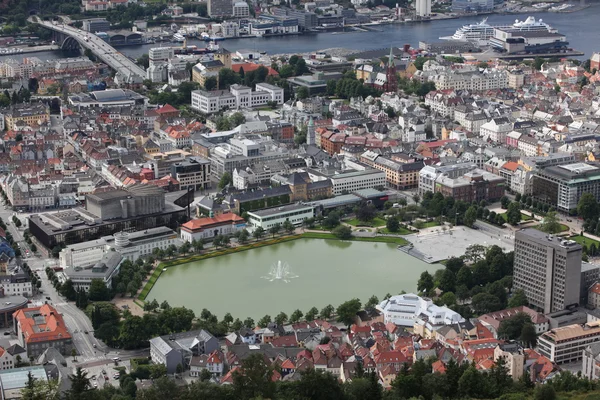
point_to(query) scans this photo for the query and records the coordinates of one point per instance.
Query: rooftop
(283, 209)
(572, 332)
(41, 324)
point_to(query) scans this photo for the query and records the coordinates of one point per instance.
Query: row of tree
(462, 381)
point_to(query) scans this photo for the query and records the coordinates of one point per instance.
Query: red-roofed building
(213, 363)
(209, 227)
(41, 327)
(249, 67)
(438, 366)
(480, 349)
(394, 358)
(168, 111)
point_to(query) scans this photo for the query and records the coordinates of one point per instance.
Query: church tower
(310, 132)
(391, 78)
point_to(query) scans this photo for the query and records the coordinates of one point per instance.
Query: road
(105, 52)
(90, 350)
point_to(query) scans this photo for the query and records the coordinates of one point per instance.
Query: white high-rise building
(423, 8)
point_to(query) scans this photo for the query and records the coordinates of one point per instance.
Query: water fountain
(280, 271)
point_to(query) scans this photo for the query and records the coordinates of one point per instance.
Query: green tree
(392, 224)
(425, 283)
(528, 335)
(365, 212)
(447, 281)
(237, 119)
(296, 315)
(80, 384)
(288, 226)
(510, 328)
(550, 223)
(144, 60)
(470, 216)
(518, 299)
(464, 277)
(281, 318)
(471, 383)
(346, 312)
(311, 314)
(225, 180)
(210, 83)
(342, 232)
(264, 321)
(513, 215)
(544, 392)
(256, 379)
(587, 208)
(258, 233)
(484, 303)
(372, 302)
(302, 93)
(326, 312)
(274, 230)
(448, 299)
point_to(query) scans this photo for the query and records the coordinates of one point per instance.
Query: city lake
(298, 274)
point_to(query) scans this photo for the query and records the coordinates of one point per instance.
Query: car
(94, 345)
(6, 333)
(48, 298)
(86, 332)
(96, 385)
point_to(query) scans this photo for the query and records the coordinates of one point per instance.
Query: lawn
(378, 239)
(401, 231)
(582, 240)
(524, 217)
(377, 222)
(563, 228)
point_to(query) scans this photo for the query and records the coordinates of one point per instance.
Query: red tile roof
(209, 222)
(49, 327)
(248, 67)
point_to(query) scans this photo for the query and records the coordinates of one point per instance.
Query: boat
(216, 38)
(560, 8)
(178, 37)
(481, 32)
(213, 46)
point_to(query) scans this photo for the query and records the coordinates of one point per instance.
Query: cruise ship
(482, 32)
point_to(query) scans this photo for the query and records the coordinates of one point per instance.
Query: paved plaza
(433, 244)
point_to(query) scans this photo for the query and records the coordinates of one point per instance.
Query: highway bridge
(69, 37)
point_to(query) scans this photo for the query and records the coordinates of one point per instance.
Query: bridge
(69, 37)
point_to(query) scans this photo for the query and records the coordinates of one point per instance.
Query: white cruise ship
(481, 32)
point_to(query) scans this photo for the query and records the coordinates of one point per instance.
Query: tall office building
(220, 8)
(548, 269)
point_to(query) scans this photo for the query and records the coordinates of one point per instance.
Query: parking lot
(105, 374)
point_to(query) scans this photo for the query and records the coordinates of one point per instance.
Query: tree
(288, 226)
(372, 302)
(447, 282)
(346, 312)
(281, 318)
(392, 224)
(302, 93)
(254, 379)
(225, 180)
(198, 245)
(144, 60)
(513, 214)
(205, 375)
(470, 216)
(471, 383)
(210, 83)
(528, 335)
(342, 232)
(504, 201)
(518, 299)
(98, 291)
(365, 212)
(296, 315)
(68, 290)
(264, 321)
(511, 328)
(425, 283)
(80, 383)
(311, 314)
(544, 392)
(484, 303)
(258, 233)
(237, 119)
(274, 230)
(464, 277)
(165, 306)
(454, 264)
(587, 208)
(326, 311)
(243, 236)
(448, 299)
(550, 223)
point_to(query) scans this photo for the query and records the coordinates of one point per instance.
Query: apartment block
(548, 269)
(567, 344)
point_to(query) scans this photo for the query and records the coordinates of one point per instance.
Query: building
(514, 356)
(568, 343)
(107, 98)
(595, 61)
(407, 309)
(593, 300)
(548, 269)
(30, 114)
(423, 8)
(304, 189)
(73, 64)
(94, 25)
(105, 269)
(399, 175)
(295, 213)
(9, 305)
(493, 320)
(237, 97)
(213, 363)
(220, 8)
(562, 186)
(241, 9)
(347, 182)
(591, 362)
(136, 208)
(131, 245)
(470, 80)
(496, 130)
(192, 174)
(209, 227)
(175, 349)
(470, 6)
(16, 283)
(39, 328)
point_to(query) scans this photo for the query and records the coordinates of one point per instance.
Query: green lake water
(319, 272)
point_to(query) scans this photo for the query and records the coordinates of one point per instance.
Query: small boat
(164, 269)
(178, 37)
